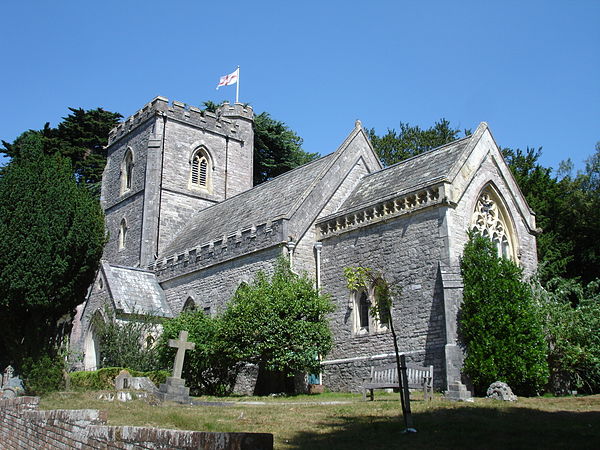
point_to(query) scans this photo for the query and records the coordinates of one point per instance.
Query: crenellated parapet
(229, 246)
(223, 121)
(386, 209)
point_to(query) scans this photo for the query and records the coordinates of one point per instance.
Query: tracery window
(200, 173)
(491, 221)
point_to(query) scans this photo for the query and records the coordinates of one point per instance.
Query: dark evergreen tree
(396, 146)
(498, 322)
(81, 137)
(277, 148)
(52, 238)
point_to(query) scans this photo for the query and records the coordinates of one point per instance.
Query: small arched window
(200, 170)
(189, 305)
(127, 171)
(365, 322)
(122, 234)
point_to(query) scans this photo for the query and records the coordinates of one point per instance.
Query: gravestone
(458, 392)
(10, 385)
(174, 388)
(125, 381)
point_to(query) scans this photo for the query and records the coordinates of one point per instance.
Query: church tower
(166, 162)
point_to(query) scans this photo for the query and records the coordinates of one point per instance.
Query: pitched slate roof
(267, 201)
(136, 291)
(408, 175)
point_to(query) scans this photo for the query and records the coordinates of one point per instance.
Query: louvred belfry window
(199, 170)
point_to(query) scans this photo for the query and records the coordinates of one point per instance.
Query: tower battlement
(224, 119)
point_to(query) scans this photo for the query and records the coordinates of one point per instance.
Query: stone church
(187, 227)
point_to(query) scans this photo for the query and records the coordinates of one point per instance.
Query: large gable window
(490, 219)
(200, 169)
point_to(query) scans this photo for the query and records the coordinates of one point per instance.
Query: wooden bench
(386, 377)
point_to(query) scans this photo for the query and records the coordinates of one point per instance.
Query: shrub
(124, 343)
(278, 322)
(101, 379)
(498, 322)
(208, 368)
(44, 375)
(571, 314)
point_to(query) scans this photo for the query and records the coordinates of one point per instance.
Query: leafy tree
(81, 137)
(571, 334)
(209, 368)
(277, 149)
(543, 194)
(127, 343)
(52, 238)
(278, 322)
(498, 323)
(567, 210)
(396, 146)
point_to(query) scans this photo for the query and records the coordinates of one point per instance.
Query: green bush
(123, 343)
(102, 379)
(498, 322)
(571, 314)
(208, 368)
(43, 375)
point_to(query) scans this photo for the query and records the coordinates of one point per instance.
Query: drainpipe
(318, 246)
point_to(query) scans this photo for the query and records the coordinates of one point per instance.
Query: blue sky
(531, 69)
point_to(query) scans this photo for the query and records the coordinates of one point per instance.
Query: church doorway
(91, 347)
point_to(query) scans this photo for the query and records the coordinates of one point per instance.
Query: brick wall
(23, 426)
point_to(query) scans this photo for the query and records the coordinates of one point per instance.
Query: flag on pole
(230, 79)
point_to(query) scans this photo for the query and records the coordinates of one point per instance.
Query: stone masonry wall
(23, 426)
(126, 205)
(304, 254)
(212, 287)
(407, 251)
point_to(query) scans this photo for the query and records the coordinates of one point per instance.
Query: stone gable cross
(181, 345)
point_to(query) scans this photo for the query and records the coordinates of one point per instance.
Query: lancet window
(122, 234)
(127, 171)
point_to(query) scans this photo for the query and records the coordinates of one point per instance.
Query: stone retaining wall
(23, 426)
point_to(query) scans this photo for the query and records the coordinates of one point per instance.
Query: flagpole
(237, 86)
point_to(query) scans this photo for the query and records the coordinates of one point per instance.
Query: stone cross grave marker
(181, 345)
(173, 389)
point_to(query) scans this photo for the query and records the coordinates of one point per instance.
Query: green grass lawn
(343, 421)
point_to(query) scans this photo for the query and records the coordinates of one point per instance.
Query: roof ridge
(425, 153)
(254, 189)
(326, 168)
(476, 136)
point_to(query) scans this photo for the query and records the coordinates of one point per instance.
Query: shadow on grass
(465, 427)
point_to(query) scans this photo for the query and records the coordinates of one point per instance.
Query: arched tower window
(491, 220)
(122, 234)
(200, 169)
(127, 171)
